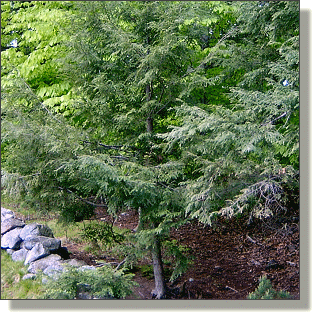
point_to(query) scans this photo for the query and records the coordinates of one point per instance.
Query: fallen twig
(251, 240)
(120, 264)
(227, 287)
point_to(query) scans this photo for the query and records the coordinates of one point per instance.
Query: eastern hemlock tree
(132, 62)
(128, 64)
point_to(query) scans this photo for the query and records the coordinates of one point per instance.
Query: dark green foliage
(266, 292)
(101, 283)
(76, 211)
(101, 234)
(146, 271)
(179, 258)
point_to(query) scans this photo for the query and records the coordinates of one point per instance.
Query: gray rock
(37, 252)
(74, 263)
(54, 269)
(49, 243)
(11, 239)
(6, 214)
(41, 264)
(29, 276)
(10, 223)
(36, 229)
(10, 251)
(85, 267)
(19, 255)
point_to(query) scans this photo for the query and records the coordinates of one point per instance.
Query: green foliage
(266, 292)
(101, 283)
(37, 56)
(146, 271)
(102, 234)
(76, 211)
(252, 139)
(181, 260)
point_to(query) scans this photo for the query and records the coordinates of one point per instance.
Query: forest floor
(227, 261)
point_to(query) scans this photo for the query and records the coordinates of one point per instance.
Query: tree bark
(160, 286)
(149, 124)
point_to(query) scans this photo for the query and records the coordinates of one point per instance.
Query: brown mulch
(227, 261)
(227, 265)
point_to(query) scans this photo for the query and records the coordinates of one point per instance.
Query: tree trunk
(139, 226)
(149, 124)
(160, 286)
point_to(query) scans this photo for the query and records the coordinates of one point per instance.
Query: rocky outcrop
(9, 224)
(6, 214)
(37, 252)
(11, 239)
(35, 245)
(34, 229)
(19, 255)
(50, 243)
(42, 264)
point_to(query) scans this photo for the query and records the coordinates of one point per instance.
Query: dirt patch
(228, 264)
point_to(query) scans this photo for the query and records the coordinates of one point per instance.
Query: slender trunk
(160, 286)
(149, 124)
(149, 119)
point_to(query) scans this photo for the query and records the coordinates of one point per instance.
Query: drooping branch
(82, 199)
(274, 120)
(114, 147)
(35, 96)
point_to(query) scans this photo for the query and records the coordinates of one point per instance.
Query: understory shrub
(266, 292)
(76, 211)
(101, 234)
(100, 283)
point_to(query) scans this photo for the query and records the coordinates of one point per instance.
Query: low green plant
(179, 258)
(101, 234)
(147, 271)
(100, 283)
(266, 292)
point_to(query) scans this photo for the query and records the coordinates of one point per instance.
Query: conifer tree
(128, 64)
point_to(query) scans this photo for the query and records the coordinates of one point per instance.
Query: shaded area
(227, 259)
